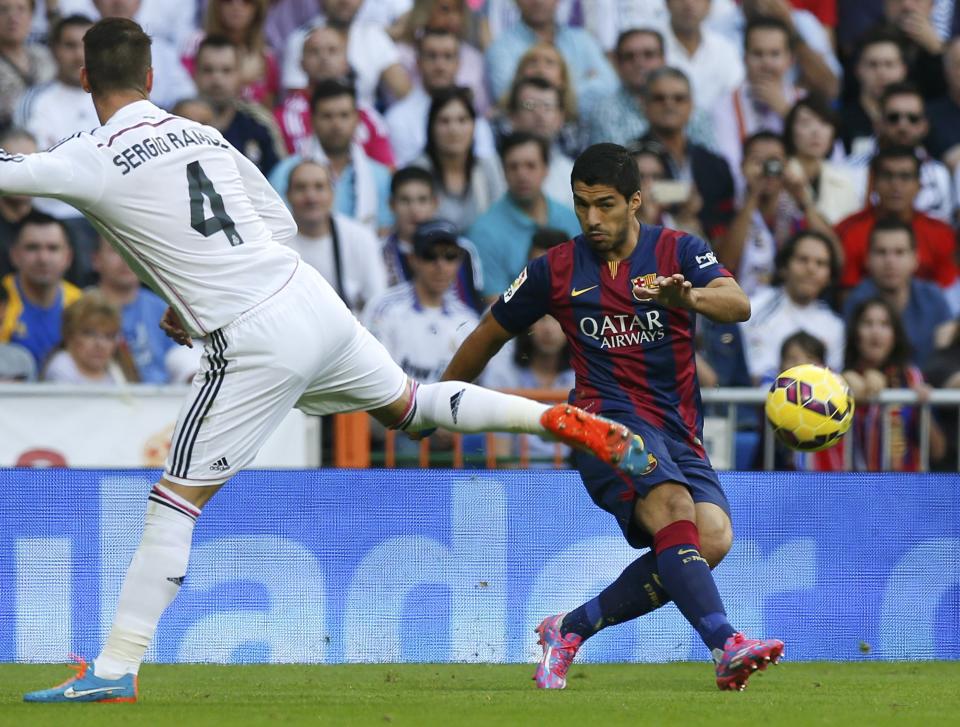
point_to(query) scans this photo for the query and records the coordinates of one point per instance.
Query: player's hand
(173, 327)
(673, 291)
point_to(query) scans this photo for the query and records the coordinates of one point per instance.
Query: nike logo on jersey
(574, 293)
(71, 693)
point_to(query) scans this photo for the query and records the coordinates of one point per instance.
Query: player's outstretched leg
(462, 407)
(152, 582)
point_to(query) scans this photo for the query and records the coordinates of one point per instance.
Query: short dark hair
(816, 105)
(432, 31)
(894, 152)
(513, 100)
(761, 136)
(548, 237)
(116, 54)
(519, 138)
(71, 21)
(215, 41)
(811, 345)
(901, 88)
(630, 32)
(789, 249)
(766, 23)
(332, 88)
(876, 36)
(891, 224)
(406, 175)
(899, 355)
(608, 164)
(35, 217)
(665, 72)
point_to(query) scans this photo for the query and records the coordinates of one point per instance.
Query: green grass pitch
(673, 695)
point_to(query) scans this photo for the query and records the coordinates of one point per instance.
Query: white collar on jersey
(135, 110)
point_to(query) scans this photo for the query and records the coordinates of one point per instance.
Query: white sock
(152, 582)
(462, 407)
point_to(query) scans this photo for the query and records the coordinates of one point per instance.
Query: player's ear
(148, 85)
(634, 202)
(84, 81)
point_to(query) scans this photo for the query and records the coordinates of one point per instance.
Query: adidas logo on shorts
(220, 465)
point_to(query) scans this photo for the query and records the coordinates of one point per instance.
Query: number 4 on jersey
(200, 187)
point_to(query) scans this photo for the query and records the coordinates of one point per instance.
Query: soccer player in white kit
(201, 225)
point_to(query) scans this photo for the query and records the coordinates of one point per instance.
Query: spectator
(24, 64)
(16, 362)
(592, 76)
(503, 233)
(450, 16)
(664, 200)
(325, 58)
(140, 311)
(896, 174)
(248, 126)
(467, 185)
(620, 118)
(361, 185)
(535, 107)
(878, 63)
(944, 112)
(903, 122)
(809, 136)
(669, 108)
(546, 238)
(922, 45)
(345, 252)
(437, 59)
(921, 305)
(195, 109)
(422, 322)
(413, 201)
(258, 72)
(14, 208)
(943, 372)
(371, 52)
(713, 65)
(762, 101)
(878, 358)
(171, 80)
(37, 291)
(91, 352)
(778, 202)
(807, 265)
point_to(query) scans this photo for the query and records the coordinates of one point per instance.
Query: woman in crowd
(242, 23)
(809, 134)
(467, 185)
(22, 65)
(92, 351)
(878, 358)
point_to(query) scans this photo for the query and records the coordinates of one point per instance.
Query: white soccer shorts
(300, 348)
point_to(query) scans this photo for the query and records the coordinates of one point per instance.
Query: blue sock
(635, 592)
(687, 578)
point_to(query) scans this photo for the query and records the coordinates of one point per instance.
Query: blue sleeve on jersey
(527, 299)
(698, 263)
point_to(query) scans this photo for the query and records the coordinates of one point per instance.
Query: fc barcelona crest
(644, 281)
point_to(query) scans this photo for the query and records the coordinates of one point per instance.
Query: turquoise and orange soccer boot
(86, 686)
(558, 653)
(742, 657)
(609, 441)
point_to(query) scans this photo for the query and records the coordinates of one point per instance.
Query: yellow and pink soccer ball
(809, 407)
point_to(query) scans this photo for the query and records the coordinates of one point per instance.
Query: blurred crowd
(424, 148)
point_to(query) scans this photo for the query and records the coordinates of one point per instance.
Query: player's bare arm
(721, 300)
(174, 328)
(475, 352)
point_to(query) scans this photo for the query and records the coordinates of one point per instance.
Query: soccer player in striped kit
(198, 222)
(626, 295)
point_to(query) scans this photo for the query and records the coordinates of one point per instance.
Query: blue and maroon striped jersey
(631, 357)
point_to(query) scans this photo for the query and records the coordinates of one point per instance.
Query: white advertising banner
(67, 426)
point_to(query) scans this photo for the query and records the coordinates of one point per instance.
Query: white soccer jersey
(193, 216)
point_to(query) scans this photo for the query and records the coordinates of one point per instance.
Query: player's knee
(665, 504)
(715, 543)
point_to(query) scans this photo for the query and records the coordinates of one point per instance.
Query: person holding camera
(777, 203)
(665, 201)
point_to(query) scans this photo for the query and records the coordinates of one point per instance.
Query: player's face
(413, 203)
(604, 215)
(807, 273)
(15, 17)
(310, 193)
(539, 112)
(880, 64)
(217, 75)
(437, 269)
(41, 254)
(525, 171)
(439, 60)
(334, 123)
(112, 268)
(324, 55)
(875, 336)
(768, 54)
(453, 129)
(93, 345)
(69, 54)
(892, 260)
